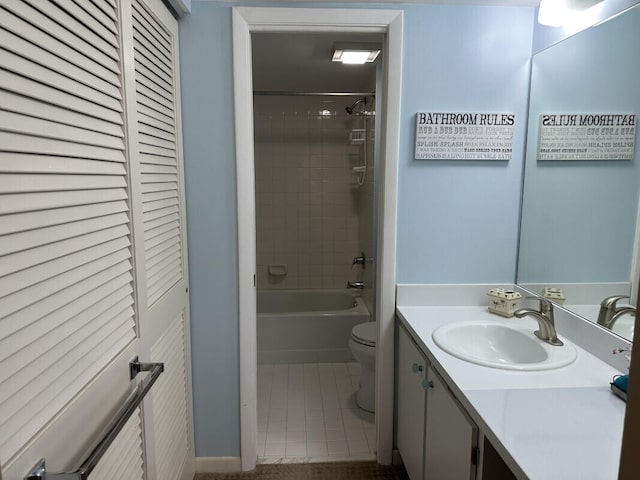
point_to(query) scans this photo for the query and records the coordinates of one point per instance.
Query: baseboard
(218, 464)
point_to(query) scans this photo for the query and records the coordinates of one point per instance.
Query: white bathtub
(307, 326)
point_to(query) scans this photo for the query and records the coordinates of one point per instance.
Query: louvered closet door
(160, 235)
(67, 312)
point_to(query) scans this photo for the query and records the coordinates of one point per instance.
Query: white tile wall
(307, 200)
(307, 413)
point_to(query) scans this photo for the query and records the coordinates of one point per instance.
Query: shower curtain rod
(313, 94)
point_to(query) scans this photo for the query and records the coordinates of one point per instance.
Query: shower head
(350, 108)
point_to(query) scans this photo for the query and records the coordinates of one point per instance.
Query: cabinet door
(451, 437)
(412, 367)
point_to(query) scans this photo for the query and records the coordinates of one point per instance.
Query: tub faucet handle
(361, 260)
(358, 285)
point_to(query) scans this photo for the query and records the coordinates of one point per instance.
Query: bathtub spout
(358, 285)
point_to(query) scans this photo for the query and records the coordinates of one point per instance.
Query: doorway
(315, 171)
(389, 24)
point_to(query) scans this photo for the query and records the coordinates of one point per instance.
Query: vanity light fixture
(557, 13)
(355, 53)
(552, 13)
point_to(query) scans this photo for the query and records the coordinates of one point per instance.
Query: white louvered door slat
(154, 73)
(103, 17)
(154, 117)
(64, 116)
(11, 163)
(58, 31)
(29, 220)
(67, 318)
(89, 21)
(40, 91)
(124, 459)
(170, 412)
(159, 232)
(28, 68)
(107, 45)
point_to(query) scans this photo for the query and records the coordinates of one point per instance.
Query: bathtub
(307, 326)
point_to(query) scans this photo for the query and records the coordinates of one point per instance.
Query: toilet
(363, 347)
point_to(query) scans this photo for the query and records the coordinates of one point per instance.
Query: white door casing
(249, 19)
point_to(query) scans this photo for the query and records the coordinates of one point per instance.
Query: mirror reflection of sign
(588, 136)
(464, 136)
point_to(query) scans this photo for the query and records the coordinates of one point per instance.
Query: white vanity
(462, 420)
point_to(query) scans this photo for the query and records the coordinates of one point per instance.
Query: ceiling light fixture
(355, 53)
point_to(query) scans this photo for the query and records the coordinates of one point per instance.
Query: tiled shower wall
(307, 198)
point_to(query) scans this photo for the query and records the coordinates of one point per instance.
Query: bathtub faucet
(358, 285)
(361, 260)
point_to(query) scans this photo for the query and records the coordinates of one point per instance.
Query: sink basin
(500, 345)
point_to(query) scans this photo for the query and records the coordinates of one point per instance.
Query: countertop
(563, 423)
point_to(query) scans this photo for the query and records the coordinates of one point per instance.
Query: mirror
(578, 230)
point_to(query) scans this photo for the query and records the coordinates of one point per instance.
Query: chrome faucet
(610, 313)
(358, 285)
(546, 324)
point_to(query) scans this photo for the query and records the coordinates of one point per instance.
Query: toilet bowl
(363, 347)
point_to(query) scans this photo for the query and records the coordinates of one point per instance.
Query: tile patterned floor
(307, 413)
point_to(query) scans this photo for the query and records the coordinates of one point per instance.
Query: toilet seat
(365, 334)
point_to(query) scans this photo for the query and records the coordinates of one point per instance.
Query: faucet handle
(361, 260)
(545, 304)
(610, 302)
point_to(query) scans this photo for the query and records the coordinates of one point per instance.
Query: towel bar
(39, 471)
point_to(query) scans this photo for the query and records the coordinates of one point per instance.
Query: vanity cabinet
(436, 438)
(411, 374)
(451, 438)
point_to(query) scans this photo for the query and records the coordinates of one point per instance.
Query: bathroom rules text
(464, 136)
(587, 136)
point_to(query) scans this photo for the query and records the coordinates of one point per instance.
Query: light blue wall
(207, 119)
(457, 221)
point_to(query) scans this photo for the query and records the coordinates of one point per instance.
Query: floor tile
(317, 449)
(336, 435)
(296, 449)
(276, 437)
(309, 411)
(297, 436)
(338, 448)
(273, 449)
(317, 436)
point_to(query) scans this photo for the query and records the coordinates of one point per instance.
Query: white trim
(246, 20)
(243, 104)
(387, 229)
(217, 464)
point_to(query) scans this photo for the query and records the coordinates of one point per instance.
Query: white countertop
(554, 424)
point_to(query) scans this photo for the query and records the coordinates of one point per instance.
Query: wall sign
(464, 136)
(587, 136)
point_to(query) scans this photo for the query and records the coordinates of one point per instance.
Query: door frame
(260, 19)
